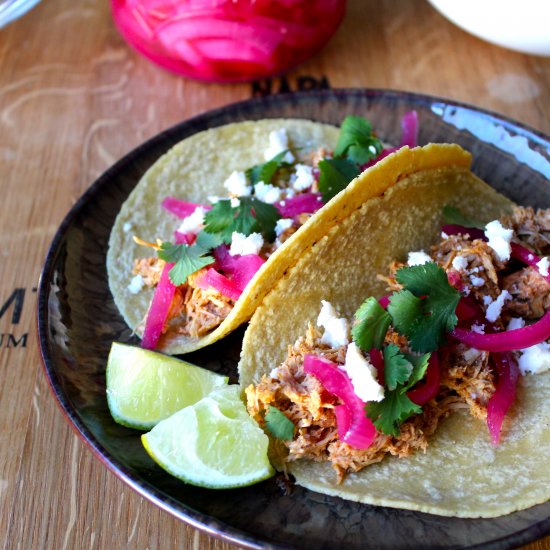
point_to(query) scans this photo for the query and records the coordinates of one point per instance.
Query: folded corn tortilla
(197, 167)
(461, 473)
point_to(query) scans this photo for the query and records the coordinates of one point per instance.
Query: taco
(406, 365)
(251, 198)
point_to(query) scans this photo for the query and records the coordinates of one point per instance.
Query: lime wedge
(213, 443)
(145, 387)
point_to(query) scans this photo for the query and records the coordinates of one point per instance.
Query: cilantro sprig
(335, 175)
(250, 216)
(424, 311)
(357, 145)
(186, 258)
(393, 410)
(372, 323)
(265, 172)
(279, 425)
(401, 372)
(453, 216)
(357, 141)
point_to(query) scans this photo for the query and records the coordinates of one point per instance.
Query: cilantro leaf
(420, 366)
(334, 176)
(244, 221)
(251, 216)
(266, 216)
(397, 368)
(265, 172)
(452, 215)
(425, 310)
(186, 259)
(389, 413)
(208, 241)
(219, 219)
(356, 141)
(279, 425)
(372, 324)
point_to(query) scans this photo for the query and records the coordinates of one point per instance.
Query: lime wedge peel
(213, 443)
(145, 387)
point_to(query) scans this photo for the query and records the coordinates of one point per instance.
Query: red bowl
(227, 40)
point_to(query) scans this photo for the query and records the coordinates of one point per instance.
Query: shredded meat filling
(194, 311)
(302, 398)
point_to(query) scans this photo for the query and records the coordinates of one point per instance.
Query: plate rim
(200, 520)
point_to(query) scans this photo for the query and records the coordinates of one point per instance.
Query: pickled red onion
(524, 255)
(467, 309)
(305, 203)
(184, 238)
(429, 387)
(361, 431)
(245, 268)
(241, 268)
(509, 340)
(343, 420)
(409, 129)
(158, 311)
(181, 209)
(505, 393)
(455, 229)
(377, 361)
(212, 279)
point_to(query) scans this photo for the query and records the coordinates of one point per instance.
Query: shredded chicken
(302, 398)
(150, 270)
(194, 311)
(530, 293)
(532, 228)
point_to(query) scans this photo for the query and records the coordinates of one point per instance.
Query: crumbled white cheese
(515, 323)
(418, 258)
(363, 375)
(487, 300)
(127, 227)
(282, 225)
(480, 329)
(136, 284)
(471, 354)
(499, 238)
(289, 194)
(278, 142)
(535, 359)
(304, 177)
(235, 202)
(476, 281)
(336, 328)
(241, 245)
(267, 192)
(237, 185)
(460, 263)
(543, 266)
(444, 235)
(194, 222)
(495, 307)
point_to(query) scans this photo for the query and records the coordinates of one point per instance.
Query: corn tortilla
(460, 474)
(197, 167)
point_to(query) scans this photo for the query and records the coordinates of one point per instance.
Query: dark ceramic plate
(78, 321)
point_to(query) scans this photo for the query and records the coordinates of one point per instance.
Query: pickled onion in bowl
(224, 40)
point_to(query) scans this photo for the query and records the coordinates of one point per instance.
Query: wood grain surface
(73, 99)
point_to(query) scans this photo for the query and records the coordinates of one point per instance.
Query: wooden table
(73, 99)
